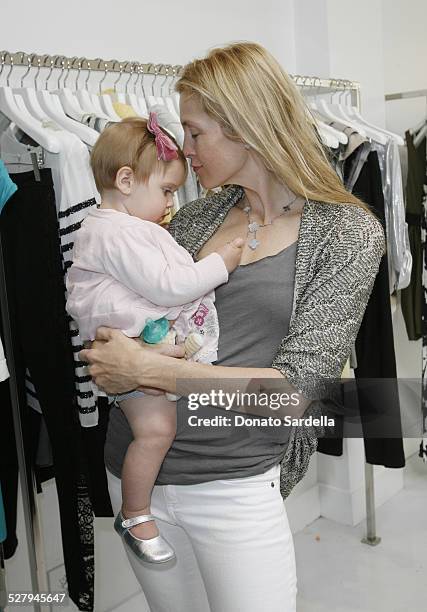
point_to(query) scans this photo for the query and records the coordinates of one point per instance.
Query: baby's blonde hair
(244, 88)
(127, 143)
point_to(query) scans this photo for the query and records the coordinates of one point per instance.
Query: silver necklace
(253, 226)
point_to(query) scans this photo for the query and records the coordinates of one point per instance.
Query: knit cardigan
(339, 250)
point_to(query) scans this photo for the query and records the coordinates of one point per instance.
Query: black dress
(379, 410)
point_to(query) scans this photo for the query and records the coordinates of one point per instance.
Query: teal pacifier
(155, 331)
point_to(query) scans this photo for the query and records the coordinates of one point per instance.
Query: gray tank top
(254, 309)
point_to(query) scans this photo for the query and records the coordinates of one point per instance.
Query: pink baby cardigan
(127, 269)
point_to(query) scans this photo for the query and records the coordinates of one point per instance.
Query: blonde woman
(291, 311)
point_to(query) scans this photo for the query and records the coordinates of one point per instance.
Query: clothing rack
(310, 86)
(418, 93)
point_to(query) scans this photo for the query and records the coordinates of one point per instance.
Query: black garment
(412, 295)
(423, 443)
(375, 352)
(94, 441)
(8, 469)
(41, 342)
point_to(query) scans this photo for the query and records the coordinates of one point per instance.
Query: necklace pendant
(253, 244)
(246, 209)
(253, 227)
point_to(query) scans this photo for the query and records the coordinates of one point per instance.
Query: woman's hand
(117, 363)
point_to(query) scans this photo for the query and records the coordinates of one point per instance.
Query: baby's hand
(232, 253)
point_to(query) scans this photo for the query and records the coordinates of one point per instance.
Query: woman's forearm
(119, 364)
(187, 377)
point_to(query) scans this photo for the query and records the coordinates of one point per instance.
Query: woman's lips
(196, 168)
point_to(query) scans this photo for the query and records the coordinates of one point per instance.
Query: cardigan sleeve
(331, 308)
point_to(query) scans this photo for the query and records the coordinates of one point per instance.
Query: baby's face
(152, 201)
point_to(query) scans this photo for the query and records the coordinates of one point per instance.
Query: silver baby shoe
(154, 550)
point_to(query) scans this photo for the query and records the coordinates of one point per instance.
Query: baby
(128, 273)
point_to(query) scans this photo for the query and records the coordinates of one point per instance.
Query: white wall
(311, 38)
(405, 60)
(162, 31)
(356, 52)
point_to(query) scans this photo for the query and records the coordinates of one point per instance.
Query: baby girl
(128, 273)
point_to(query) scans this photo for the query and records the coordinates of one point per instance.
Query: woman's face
(216, 159)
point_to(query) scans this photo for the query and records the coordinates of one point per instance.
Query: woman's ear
(124, 180)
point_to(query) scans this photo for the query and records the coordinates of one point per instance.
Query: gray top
(254, 310)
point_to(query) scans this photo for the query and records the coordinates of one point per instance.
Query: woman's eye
(194, 135)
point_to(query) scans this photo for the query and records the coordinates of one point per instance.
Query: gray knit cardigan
(339, 250)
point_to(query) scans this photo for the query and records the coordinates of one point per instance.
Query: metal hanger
(105, 99)
(69, 101)
(131, 98)
(18, 113)
(52, 106)
(29, 94)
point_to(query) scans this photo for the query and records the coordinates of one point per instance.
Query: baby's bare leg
(153, 423)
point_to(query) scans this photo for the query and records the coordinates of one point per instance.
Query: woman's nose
(187, 148)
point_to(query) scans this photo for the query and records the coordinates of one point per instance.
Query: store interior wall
(405, 55)
(163, 31)
(368, 41)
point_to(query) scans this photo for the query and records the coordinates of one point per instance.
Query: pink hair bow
(166, 149)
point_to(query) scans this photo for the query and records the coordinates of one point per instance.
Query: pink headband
(166, 149)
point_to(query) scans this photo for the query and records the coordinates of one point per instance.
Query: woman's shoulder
(197, 215)
(347, 224)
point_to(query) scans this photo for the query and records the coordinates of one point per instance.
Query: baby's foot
(143, 531)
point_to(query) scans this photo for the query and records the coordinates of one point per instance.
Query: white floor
(336, 572)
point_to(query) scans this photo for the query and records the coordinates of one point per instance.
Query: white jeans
(233, 546)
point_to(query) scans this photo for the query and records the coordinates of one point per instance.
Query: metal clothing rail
(310, 84)
(20, 58)
(418, 93)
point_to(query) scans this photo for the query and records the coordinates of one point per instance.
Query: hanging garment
(8, 466)
(40, 334)
(375, 351)
(356, 142)
(399, 250)
(423, 444)
(96, 123)
(75, 194)
(4, 372)
(7, 186)
(353, 156)
(412, 295)
(122, 109)
(376, 331)
(7, 189)
(8, 470)
(8, 457)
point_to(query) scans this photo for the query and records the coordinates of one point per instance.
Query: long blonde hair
(249, 94)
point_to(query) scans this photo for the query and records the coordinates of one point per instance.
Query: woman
(305, 277)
